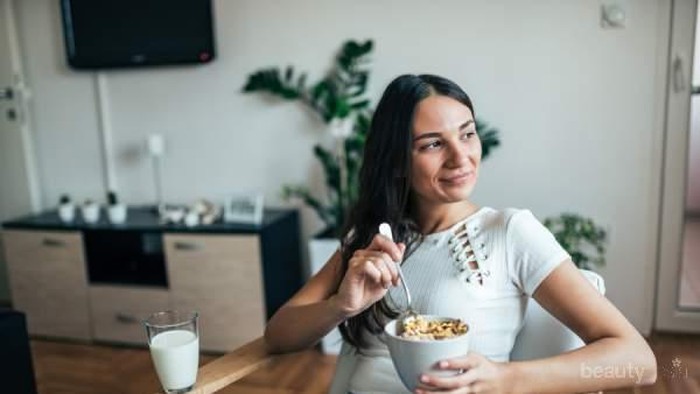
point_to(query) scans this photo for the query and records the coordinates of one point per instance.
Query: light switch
(612, 16)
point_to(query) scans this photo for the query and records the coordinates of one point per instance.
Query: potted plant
(90, 211)
(66, 209)
(116, 211)
(581, 237)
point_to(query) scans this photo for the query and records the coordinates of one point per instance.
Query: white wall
(578, 106)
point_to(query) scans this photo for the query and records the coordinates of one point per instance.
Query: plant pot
(320, 250)
(191, 219)
(90, 212)
(66, 212)
(117, 213)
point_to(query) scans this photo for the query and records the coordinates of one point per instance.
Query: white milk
(176, 356)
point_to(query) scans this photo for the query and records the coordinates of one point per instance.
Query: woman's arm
(616, 355)
(310, 314)
(331, 296)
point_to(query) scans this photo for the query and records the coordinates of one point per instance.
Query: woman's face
(446, 151)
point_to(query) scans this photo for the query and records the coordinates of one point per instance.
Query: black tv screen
(133, 33)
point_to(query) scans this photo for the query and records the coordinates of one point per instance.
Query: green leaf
(269, 81)
(342, 108)
(359, 104)
(580, 237)
(489, 138)
(290, 192)
(301, 82)
(331, 168)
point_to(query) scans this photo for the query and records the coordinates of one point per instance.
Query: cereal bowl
(413, 357)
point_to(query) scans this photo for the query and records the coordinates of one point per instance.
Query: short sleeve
(532, 252)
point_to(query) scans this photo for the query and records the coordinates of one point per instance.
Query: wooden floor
(68, 368)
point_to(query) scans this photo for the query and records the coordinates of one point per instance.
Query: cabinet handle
(54, 243)
(186, 246)
(125, 319)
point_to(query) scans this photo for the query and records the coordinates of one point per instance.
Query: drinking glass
(174, 342)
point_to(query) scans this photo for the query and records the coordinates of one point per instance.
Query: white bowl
(412, 358)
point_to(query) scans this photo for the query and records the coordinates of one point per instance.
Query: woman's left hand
(480, 375)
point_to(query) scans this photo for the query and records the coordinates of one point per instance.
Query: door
(678, 237)
(18, 191)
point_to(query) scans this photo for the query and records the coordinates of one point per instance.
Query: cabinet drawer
(35, 246)
(46, 271)
(220, 276)
(224, 324)
(118, 312)
(197, 264)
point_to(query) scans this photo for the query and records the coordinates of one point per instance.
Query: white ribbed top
(511, 253)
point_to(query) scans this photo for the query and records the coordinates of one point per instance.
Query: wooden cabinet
(117, 312)
(220, 276)
(48, 281)
(99, 282)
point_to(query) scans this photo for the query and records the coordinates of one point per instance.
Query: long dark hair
(385, 193)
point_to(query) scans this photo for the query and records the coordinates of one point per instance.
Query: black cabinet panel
(125, 257)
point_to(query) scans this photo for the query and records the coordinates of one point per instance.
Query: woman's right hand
(370, 273)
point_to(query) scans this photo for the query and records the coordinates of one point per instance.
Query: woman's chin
(459, 192)
(452, 196)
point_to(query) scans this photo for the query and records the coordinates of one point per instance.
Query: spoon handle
(385, 230)
(405, 288)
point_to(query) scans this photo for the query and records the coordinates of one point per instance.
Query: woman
(421, 163)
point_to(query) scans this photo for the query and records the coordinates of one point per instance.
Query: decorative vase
(90, 212)
(191, 219)
(66, 212)
(117, 213)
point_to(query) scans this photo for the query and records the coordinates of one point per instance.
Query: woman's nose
(459, 154)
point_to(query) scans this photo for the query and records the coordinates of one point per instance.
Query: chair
(542, 335)
(16, 370)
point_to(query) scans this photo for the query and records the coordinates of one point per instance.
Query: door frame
(669, 316)
(23, 93)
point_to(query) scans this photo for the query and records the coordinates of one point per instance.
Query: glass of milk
(174, 342)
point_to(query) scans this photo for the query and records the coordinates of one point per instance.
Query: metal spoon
(385, 230)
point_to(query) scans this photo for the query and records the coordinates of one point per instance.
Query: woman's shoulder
(502, 218)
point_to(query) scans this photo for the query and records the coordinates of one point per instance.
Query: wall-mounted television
(134, 33)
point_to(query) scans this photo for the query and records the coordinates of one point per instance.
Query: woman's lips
(459, 179)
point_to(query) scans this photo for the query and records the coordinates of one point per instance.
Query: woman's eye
(468, 135)
(432, 145)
